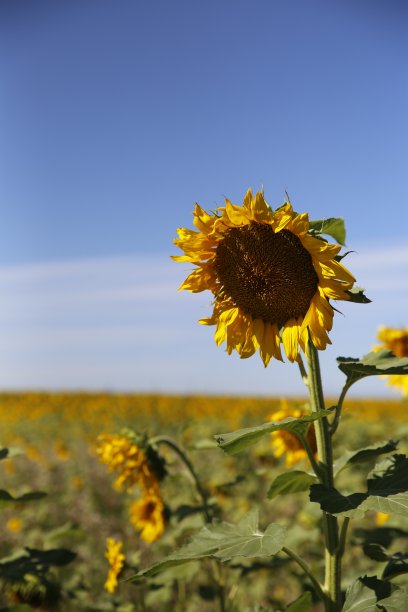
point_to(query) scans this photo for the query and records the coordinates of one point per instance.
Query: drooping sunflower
(395, 340)
(271, 279)
(287, 444)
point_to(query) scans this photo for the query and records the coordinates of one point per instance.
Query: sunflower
(286, 443)
(149, 516)
(395, 340)
(116, 560)
(271, 279)
(121, 454)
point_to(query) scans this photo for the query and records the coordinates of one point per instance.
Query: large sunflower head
(271, 279)
(395, 340)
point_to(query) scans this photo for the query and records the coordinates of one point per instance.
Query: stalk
(182, 455)
(332, 584)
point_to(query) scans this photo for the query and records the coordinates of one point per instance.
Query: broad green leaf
(396, 566)
(376, 552)
(374, 363)
(357, 295)
(359, 598)
(291, 482)
(7, 453)
(301, 604)
(363, 454)
(386, 492)
(396, 602)
(330, 227)
(237, 441)
(224, 541)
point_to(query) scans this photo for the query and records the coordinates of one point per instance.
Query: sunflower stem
(332, 586)
(183, 456)
(305, 567)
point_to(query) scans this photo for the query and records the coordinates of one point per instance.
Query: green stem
(182, 455)
(305, 567)
(332, 586)
(337, 415)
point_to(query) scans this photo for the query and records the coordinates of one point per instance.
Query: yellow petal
(290, 338)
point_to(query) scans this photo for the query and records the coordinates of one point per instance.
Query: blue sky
(115, 117)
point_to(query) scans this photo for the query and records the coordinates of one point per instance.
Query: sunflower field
(66, 505)
(195, 504)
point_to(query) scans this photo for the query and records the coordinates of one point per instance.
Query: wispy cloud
(120, 323)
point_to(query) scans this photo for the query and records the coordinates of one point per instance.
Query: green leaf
(5, 496)
(301, 604)
(396, 566)
(359, 598)
(374, 363)
(291, 482)
(356, 295)
(376, 552)
(363, 455)
(330, 227)
(237, 441)
(224, 541)
(386, 492)
(396, 602)
(7, 453)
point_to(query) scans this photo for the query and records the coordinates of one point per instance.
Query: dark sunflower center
(269, 276)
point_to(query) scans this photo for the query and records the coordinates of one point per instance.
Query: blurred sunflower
(270, 277)
(122, 455)
(116, 560)
(286, 443)
(148, 515)
(395, 340)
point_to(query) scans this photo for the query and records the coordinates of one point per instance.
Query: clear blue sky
(115, 117)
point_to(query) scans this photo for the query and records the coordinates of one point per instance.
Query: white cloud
(119, 323)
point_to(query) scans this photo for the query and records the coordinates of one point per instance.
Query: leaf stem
(336, 421)
(305, 567)
(183, 456)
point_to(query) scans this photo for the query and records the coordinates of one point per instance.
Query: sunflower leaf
(301, 604)
(224, 541)
(357, 296)
(291, 482)
(363, 455)
(374, 363)
(396, 566)
(330, 227)
(359, 598)
(397, 601)
(387, 491)
(236, 441)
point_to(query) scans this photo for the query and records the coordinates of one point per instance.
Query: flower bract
(270, 277)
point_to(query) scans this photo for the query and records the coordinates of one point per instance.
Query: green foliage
(363, 455)
(291, 482)
(223, 541)
(301, 604)
(330, 227)
(237, 441)
(359, 598)
(357, 296)
(374, 363)
(386, 492)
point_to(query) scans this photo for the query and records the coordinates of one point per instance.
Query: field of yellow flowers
(54, 442)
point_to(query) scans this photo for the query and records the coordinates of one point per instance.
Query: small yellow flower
(381, 518)
(148, 516)
(14, 524)
(116, 560)
(271, 278)
(287, 444)
(122, 455)
(395, 340)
